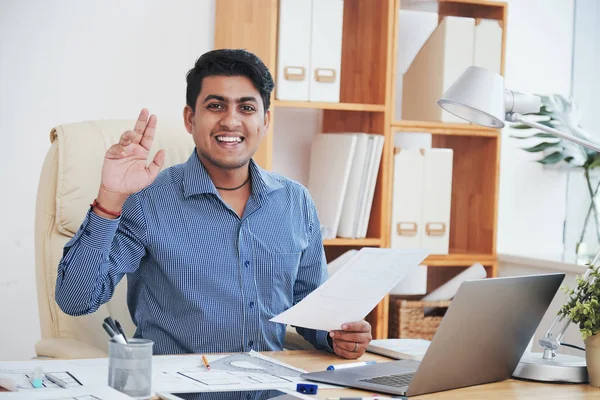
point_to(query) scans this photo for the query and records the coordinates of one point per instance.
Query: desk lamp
(478, 96)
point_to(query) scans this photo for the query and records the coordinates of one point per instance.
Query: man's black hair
(229, 62)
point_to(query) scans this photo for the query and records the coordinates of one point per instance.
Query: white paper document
(72, 393)
(239, 371)
(354, 290)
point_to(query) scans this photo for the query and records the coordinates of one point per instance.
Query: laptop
(480, 340)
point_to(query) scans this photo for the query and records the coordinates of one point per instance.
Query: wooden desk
(509, 389)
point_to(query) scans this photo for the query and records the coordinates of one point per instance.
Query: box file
(422, 195)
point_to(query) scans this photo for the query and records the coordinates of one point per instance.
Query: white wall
(65, 61)
(586, 86)
(538, 60)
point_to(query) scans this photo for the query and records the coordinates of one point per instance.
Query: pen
(36, 379)
(120, 328)
(57, 381)
(351, 365)
(205, 361)
(116, 337)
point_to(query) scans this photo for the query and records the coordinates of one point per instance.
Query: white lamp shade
(477, 96)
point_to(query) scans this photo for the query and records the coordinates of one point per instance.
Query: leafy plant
(583, 307)
(562, 113)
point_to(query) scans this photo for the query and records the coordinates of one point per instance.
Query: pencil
(205, 361)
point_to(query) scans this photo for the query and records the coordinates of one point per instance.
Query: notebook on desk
(400, 349)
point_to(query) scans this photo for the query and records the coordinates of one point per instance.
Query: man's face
(229, 121)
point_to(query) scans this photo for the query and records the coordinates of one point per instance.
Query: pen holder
(130, 367)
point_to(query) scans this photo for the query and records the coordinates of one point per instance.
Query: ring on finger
(355, 347)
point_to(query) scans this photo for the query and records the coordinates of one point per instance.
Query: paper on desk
(78, 393)
(354, 290)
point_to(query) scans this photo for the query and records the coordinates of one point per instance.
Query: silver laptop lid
(485, 332)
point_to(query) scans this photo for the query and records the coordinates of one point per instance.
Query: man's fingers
(149, 132)
(157, 163)
(142, 121)
(348, 346)
(357, 326)
(342, 352)
(127, 138)
(352, 336)
(118, 151)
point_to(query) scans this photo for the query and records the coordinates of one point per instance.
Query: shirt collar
(197, 181)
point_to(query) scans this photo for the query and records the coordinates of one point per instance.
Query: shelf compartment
(368, 242)
(329, 106)
(441, 128)
(461, 8)
(459, 260)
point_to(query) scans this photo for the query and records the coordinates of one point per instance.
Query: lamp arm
(551, 342)
(555, 132)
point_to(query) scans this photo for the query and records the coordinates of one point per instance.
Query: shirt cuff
(98, 232)
(323, 340)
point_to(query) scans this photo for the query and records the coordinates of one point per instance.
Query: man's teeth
(229, 139)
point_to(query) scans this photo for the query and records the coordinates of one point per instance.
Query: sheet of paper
(169, 373)
(354, 290)
(72, 393)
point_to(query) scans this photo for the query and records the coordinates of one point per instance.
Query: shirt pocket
(275, 277)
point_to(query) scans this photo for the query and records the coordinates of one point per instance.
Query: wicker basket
(408, 320)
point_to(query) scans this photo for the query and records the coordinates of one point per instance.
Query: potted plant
(583, 308)
(562, 113)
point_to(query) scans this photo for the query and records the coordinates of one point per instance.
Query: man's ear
(188, 118)
(267, 120)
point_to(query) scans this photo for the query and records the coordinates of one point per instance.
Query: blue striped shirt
(200, 278)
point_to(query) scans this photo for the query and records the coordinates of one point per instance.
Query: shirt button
(251, 343)
(251, 304)
(247, 264)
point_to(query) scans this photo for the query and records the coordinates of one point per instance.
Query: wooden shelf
(441, 128)
(367, 103)
(459, 260)
(458, 8)
(329, 106)
(353, 242)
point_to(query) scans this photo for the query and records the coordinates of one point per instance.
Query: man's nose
(231, 119)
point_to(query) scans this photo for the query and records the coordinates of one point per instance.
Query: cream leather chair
(68, 184)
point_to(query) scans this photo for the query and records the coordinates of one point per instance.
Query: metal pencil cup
(130, 367)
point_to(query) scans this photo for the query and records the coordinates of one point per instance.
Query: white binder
(374, 164)
(330, 163)
(443, 57)
(488, 45)
(326, 50)
(407, 197)
(436, 201)
(293, 50)
(357, 187)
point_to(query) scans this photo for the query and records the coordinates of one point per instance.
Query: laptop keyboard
(399, 380)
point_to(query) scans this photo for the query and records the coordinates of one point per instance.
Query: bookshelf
(367, 100)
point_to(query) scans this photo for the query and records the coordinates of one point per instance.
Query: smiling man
(214, 247)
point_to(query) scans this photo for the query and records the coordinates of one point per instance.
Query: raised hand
(125, 170)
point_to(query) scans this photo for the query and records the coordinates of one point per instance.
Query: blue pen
(351, 365)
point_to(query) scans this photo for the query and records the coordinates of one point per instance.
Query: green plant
(583, 306)
(562, 113)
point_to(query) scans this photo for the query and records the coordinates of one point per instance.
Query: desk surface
(509, 389)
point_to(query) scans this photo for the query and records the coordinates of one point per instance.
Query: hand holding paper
(354, 290)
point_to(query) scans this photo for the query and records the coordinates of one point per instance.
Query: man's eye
(214, 106)
(247, 108)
